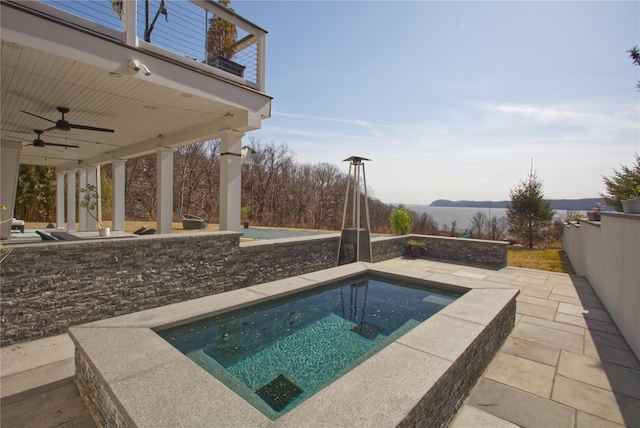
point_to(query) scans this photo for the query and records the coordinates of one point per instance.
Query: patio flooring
(565, 364)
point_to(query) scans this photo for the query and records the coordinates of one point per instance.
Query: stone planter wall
(471, 251)
(47, 287)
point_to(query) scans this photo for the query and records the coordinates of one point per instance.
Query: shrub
(401, 220)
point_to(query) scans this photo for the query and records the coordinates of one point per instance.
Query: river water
(444, 216)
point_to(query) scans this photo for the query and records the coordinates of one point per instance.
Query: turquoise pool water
(279, 353)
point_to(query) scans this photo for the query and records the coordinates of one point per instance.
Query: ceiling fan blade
(40, 117)
(90, 128)
(63, 145)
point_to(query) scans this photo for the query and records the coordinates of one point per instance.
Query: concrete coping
(620, 215)
(153, 384)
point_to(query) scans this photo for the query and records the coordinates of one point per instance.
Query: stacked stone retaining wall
(48, 287)
(471, 251)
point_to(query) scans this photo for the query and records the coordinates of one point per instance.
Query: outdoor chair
(190, 222)
(17, 224)
(45, 236)
(148, 232)
(141, 230)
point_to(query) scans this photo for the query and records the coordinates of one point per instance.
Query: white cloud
(477, 151)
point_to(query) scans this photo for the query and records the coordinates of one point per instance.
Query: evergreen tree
(529, 216)
(221, 36)
(634, 54)
(622, 184)
(36, 196)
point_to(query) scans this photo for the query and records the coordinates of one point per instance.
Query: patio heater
(355, 242)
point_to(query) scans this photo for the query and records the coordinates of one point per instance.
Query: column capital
(165, 149)
(230, 133)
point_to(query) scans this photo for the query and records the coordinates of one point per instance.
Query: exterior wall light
(136, 65)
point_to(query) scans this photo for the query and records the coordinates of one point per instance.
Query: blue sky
(452, 100)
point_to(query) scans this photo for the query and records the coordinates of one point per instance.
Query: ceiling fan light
(63, 125)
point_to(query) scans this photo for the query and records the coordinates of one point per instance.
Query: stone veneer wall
(457, 382)
(472, 251)
(46, 287)
(435, 409)
(97, 397)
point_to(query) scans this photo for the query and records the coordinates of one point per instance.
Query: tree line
(279, 191)
(276, 189)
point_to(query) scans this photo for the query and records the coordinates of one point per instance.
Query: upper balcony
(159, 73)
(174, 30)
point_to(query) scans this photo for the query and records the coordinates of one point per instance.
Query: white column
(118, 167)
(87, 177)
(262, 63)
(82, 212)
(10, 161)
(92, 174)
(165, 190)
(230, 181)
(60, 200)
(98, 185)
(72, 197)
(129, 15)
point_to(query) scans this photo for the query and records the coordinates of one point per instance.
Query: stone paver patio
(564, 365)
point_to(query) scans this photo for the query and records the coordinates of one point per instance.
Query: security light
(136, 65)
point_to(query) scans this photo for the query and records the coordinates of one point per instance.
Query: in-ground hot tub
(279, 353)
(130, 376)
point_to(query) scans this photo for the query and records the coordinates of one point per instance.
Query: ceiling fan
(64, 125)
(39, 143)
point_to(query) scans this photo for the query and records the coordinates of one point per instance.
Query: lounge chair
(65, 236)
(148, 232)
(17, 224)
(190, 222)
(140, 231)
(45, 236)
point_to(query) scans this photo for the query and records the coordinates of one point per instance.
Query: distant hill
(585, 204)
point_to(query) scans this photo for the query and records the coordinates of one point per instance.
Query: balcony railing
(179, 34)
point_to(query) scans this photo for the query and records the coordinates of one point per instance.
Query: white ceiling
(140, 109)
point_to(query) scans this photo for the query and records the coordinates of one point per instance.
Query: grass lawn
(552, 260)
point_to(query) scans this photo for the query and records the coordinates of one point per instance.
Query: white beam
(242, 121)
(230, 180)
(165, 190)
